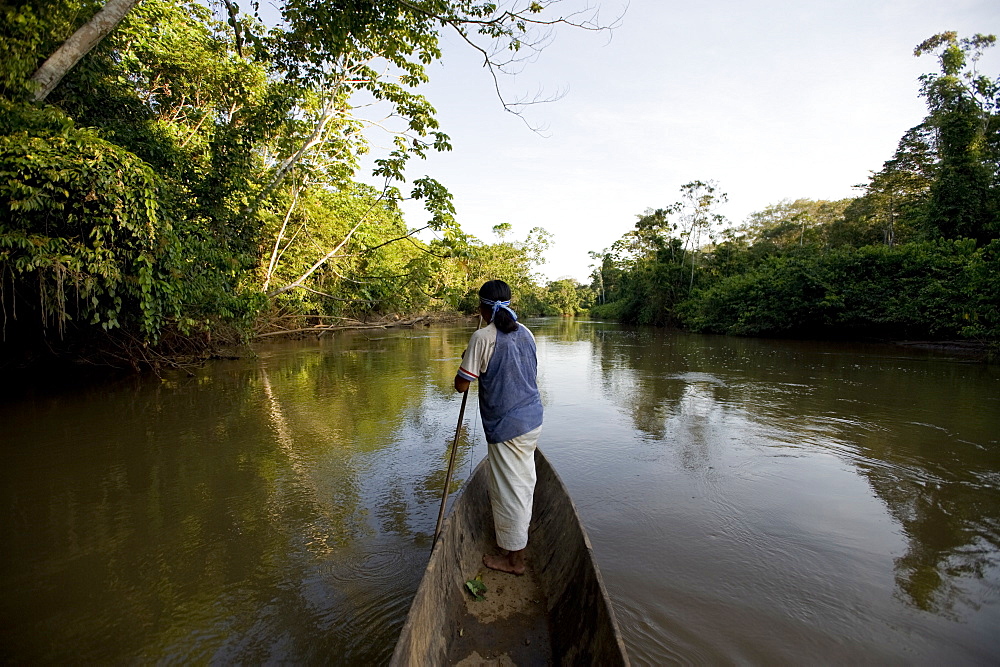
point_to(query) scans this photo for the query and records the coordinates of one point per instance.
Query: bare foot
(512, 563)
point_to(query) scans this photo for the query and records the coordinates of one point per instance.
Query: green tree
(962, 104)
(980, 314)
(792, 224)
(656, 265)
(893, 208)
(898, 261)
(605, 277)
(241, 142)
(52, 71)
(512, 261)
(567, 296)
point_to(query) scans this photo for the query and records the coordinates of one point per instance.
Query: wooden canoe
(557, 613)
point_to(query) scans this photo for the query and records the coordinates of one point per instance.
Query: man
(502, 357)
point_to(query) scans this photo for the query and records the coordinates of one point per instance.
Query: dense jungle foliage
(917, 255)
(193, 180)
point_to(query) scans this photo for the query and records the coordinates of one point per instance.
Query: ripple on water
(652, 639)
(370, 567)
(696, 377)
(373, 588)
(374, 625)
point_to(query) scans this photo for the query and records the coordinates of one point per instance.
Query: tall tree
(791, 224)
(899, 193)
(962, 105)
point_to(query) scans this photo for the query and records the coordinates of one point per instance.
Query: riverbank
(974, 350)
(118, 353)
(301, 327)
(176, 352)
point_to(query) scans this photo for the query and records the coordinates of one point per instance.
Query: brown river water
(749, 501)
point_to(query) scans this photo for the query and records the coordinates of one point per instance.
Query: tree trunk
(78, 45)
(301, 279)
(314, 139)
(275, 254)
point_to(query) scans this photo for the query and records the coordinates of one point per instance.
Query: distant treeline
(916, 255)
(172, 179)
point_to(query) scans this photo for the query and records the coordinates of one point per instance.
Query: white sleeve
(477, 356)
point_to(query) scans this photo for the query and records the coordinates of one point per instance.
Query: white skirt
(512, 487)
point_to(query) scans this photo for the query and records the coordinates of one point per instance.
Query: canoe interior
(557, 613)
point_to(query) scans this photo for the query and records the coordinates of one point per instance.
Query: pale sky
(773, 100)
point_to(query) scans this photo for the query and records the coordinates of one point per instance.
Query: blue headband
(497, 305)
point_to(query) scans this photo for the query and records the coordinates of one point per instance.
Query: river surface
(749, 501)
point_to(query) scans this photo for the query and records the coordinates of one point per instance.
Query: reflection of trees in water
(565, 329)
(141, 512)
(938, 482)
(946, 541)
(373, 424)
(331, 501)
(951, 520)
(244, 485)
(656, 376)
(359, 403)
(931, 476)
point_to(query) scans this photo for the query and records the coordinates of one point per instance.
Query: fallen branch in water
(321, 329)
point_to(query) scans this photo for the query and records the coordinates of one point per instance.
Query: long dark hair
(498, 290)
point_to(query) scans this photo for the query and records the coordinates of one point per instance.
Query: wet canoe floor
(557, 611)
(508, 627)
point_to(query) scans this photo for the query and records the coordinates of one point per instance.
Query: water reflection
(237, 514)
(938, 477)
(749, 501)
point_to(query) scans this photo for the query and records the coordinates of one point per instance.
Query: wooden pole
(451, 467)
(454, 450)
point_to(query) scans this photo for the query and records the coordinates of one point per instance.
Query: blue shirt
(509, 401)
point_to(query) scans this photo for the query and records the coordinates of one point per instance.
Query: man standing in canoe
(502, 357)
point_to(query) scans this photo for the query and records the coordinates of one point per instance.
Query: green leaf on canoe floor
(477, 587)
